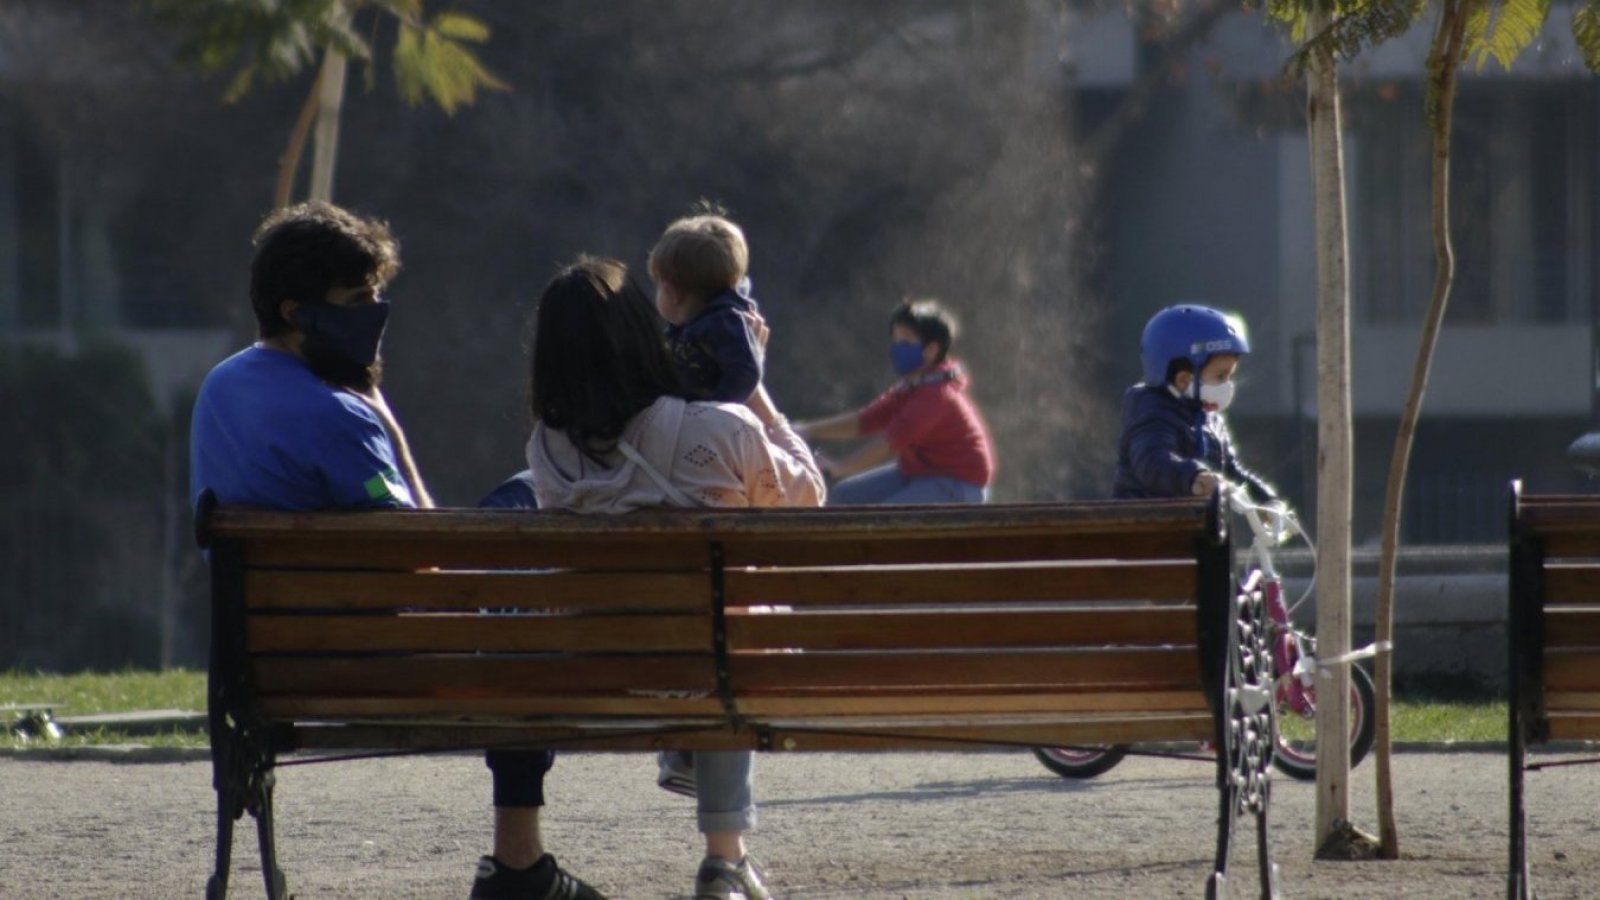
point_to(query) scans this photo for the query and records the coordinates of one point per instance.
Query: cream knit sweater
(716, 454)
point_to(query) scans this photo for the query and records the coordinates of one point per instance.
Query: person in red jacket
(928, 442)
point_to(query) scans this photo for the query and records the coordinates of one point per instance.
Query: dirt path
(891, 825)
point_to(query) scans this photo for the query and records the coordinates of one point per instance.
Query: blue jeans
(887, 486)
(722, 781)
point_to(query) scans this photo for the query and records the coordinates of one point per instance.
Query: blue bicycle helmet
(1191, 332)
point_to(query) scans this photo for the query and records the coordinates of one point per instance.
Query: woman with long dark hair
(614, 432)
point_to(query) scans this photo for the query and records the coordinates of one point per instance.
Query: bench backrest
(1555, 614)
(1033, 611)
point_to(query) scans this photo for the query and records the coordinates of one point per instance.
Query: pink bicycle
(1294, 663)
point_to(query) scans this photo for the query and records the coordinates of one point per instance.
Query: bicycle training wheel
(1296, 753)
(1080, 762)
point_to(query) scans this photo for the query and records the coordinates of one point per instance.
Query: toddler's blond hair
(701, 255)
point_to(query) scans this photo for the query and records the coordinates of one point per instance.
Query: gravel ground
(898, 825)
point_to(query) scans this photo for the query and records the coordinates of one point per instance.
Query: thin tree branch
(1444, 62)
(289, 163)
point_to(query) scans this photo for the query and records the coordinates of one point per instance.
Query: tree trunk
(330, 100)
(1333, 446)
(1444, 61)
(289, 165)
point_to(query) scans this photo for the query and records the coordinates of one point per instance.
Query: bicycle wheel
(1296, 753)
(1080, 762)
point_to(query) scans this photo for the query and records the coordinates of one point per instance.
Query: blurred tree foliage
(432, 59)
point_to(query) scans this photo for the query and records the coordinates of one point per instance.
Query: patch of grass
(105, 692)
(1415, 721)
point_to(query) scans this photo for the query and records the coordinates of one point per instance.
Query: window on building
(1523, 175)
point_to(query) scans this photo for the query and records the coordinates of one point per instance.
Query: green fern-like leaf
(1586, 31)
(460, 27)
(1474, 34)
(431, 63)
(1358, 24)
(1512, 26)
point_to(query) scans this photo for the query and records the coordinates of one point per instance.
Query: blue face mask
(905, 356)
(353, 333)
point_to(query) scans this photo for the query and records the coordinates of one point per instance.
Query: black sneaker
(544, 880)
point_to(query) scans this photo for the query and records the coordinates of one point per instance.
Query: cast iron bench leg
(229, 808)
(277, 885)
(1519, 877)
(1245, 752)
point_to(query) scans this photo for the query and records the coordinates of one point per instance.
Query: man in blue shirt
(296, 422)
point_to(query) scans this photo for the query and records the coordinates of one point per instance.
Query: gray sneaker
(720, 879)
(675, 772)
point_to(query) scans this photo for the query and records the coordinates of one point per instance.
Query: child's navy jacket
(1166, 441)
(716, 352)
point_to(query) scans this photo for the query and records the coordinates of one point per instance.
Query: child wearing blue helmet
(1175, 441)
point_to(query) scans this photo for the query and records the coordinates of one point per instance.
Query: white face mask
(1218, 395)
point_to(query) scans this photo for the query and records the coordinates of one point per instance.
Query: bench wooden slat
(390, 553)
(687, 552)
(1573, 701)
(301, 708)
(1572, 627)
(1180, 727)
(1571, 670)
(285, 589)
(1571, 544)
(990, 701)
(1559, 512)
(844, 736)
(951, 584)
(1127, 517)
(1087, 670)
(896, 629)
(483, 675)
(866, 550)
(444, 633)
(1570, 726)
(412, 539)
(1571, 583)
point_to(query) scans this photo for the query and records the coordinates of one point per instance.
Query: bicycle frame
(1293, 659)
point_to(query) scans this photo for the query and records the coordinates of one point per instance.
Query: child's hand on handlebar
(1206, 483)
(1278, 518)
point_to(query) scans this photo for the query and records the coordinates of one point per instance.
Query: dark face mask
(341, 342)
(905, 357)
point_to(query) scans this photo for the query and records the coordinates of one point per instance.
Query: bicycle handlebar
(1272, 523)
(1283, 526)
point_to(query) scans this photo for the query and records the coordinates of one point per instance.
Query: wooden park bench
(779, 630)
(1554, 629)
